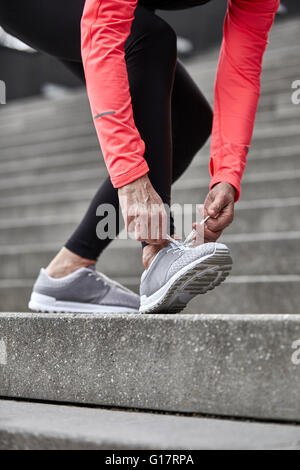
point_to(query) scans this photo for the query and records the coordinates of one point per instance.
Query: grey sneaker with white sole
(84, 291)
(179, 272)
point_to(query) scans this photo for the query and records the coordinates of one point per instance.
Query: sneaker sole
(46, 304)
(197, 278)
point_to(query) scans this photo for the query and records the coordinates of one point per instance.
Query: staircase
(239, 359)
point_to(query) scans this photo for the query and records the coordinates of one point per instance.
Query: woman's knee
(154, 34)
(165, 43)
(164, 36)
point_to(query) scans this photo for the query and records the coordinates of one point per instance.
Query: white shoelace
(110, 282)
(183, 245)
(96, 275)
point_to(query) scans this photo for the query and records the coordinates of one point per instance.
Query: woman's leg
(191, 120)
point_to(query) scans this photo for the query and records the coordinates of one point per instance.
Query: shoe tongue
(91, 267)
(176, 243)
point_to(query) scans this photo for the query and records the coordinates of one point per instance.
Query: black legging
(170, 112)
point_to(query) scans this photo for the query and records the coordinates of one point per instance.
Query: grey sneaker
(179, 272)
(84, 291)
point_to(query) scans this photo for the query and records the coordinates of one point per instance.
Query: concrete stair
(38, 426)
(226, 365)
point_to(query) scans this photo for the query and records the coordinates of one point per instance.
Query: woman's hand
(143, 211)
(219, 205)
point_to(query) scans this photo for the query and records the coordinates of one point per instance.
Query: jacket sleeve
(237, 88)
(105, 26)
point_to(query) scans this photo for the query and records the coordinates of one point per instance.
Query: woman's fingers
(222, 221)
(210, 236)
(157, 225)
(143, 211)
(219, 205)
(148, 224)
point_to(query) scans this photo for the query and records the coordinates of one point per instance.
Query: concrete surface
(238, 295)
(43, 426)
(253, 254)
(230, 365)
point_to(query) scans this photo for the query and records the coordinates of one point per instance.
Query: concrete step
(53, 182)
(256, 217)
(270, 253)
(41, 120)
(264, 137)
(40, 426)
(29, 108)
(254, 187)
(74, 144)
(77, 112)
(255, 294)
(274, 102)
(284, 134)
(271, 73)
(226, 365)
(282, 113)
(84, 127)
(44, 136)
(270, 88)
(43, 165)
(60, 172)
(66, 139)
(43, 162)
(286, 55)
(55, 200)
(238, 295)
(279, 158)
(272, 82)
(66, 122)
(15, 173)
(49, 203)
(253, 254)
(284, 28)
(268, 100)
(31, 206)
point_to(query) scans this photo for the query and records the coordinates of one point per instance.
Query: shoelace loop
(107, 281)
(180, 245)
(183, 245)
(96, 275)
